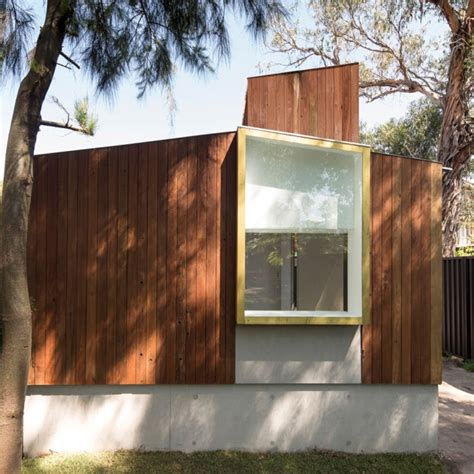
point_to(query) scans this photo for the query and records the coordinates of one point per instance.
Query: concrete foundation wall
(352, 418)
(298, 354)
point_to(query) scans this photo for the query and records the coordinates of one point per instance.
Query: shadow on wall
(352, 418)
(129, 264)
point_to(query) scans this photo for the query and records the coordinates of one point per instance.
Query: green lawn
(234, 462)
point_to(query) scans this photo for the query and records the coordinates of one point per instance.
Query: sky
(203, 104)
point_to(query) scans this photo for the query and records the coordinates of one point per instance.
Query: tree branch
(399, 85)
(65, 56)
(449, 13)
(49, 123)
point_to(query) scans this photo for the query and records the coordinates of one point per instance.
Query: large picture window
(303, 230)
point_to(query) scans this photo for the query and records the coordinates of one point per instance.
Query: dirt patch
(456, 419)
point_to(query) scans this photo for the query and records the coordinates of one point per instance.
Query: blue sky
(204, 104)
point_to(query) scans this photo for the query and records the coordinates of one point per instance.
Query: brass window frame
(304, 319)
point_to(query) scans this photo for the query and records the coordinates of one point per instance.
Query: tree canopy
(140, 38)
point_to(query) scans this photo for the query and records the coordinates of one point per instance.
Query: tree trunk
(456, 136)
(15, 311)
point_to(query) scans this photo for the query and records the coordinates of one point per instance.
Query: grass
(234, 462)
(468, 365)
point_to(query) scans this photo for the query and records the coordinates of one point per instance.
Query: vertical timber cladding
(402, 343)
(322, 103)
(131, 263)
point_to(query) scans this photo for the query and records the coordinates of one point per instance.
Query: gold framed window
(302, 229)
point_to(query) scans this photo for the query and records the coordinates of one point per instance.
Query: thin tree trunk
(456, 135)
(15, 311)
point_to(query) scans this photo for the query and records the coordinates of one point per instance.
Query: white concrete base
(352, 418)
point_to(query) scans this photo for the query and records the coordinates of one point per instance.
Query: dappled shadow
(130, 264)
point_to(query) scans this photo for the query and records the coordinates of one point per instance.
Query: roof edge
(296, 71)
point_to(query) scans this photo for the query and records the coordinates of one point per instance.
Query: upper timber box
(322, 103)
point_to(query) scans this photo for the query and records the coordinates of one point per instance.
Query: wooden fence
(458, 323)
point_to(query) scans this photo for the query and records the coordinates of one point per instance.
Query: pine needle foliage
(147, 39)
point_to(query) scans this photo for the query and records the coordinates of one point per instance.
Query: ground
(456, 418)
(233, 462)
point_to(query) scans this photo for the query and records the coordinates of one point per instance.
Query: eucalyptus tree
(416, 134)
(403, 46)
(110, 40)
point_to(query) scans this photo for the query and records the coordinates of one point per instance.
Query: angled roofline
(297, 71)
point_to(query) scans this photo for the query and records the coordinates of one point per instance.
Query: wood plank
(102, 321)
(292, 97)
(191, 260)
(376, 268)
(162, 269)
(223, 266)
(122, 245)
(406, 306)
(352, 113)
(211, 263)
(72, 265)
(321, 109)
(425, 314)
(338, 104)
(171, 267)
(302, 114)
(387, 190)
(132, 267)
(436, 273)
(142, 262)
(111, 375)
(181, 172)
(330, 104)
(152, 265)
(91, 321)
(51, 334)
(202, 203)
(81, 307)
(61, 271)
(416, 275)
(396, 283)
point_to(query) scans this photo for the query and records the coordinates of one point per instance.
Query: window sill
(299, 317)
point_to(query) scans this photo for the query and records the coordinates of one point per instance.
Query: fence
(458, 322)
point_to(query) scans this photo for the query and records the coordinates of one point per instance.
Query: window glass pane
(303, 220)
(296, 272)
